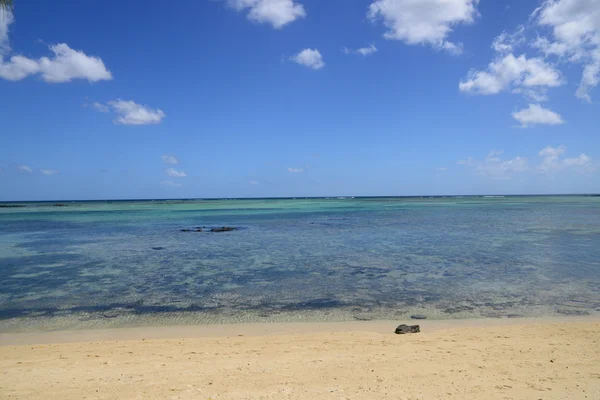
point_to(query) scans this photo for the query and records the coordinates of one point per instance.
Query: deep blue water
(128, 263)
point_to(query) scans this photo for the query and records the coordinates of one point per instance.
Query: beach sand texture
(517, 361)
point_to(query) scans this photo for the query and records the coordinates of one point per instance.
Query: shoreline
(267, 329)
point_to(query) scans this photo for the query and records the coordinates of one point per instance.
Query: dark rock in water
(185, 230)
(198, 230)
(59, 205)
(514, 316)
(11, 205)
(157, 248)
(572, 312)
(404, 329)
(223, 229)
(361, 318)
(418, 316)
(110, 314)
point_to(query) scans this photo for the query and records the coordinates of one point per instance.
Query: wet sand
(479, 359)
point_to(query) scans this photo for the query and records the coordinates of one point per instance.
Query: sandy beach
(504, 359)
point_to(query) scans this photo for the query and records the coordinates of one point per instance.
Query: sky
(287, 98)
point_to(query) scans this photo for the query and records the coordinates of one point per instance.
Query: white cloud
(48, 171)
(6, 18)
(310, 58)
(506, 43)
(24, 169)
(100, 107)
(510, 71)
(495, 167)
(580, 161)
(253, 182)
(295, 170)
(424, 21)
(65, 65)
(363, 51)
(171, 184)
(575, 26)
(174, 173)
(275, 12)
(552, 162)
(536, 114)
(131, 113)
(169, 159)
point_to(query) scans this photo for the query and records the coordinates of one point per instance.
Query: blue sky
(262, 98)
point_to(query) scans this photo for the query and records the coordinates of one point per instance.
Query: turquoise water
(97, 264)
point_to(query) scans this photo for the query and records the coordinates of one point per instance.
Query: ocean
(79, 265)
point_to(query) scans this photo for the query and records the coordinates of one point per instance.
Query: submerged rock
(404, 329)
(457, 309)
(418, 316)
(157, 248)
(572, 312)
(185, 230)
(223, 229)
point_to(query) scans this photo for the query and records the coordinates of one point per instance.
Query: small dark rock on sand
(418, 316)
(223, 229)
(404, 329)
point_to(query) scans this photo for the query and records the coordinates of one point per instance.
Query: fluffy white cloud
(424, 21)
(310, 58)
(24, 169)
(48, 171)
(496, 167)
(575, 26)
(295, 170)
(65, 65)
(171, 184)
(536, 114)
(275, 12)
(363, 51)
(174, 173)
(552, 162)
(131, 113)
(512, 72)
(169, 159)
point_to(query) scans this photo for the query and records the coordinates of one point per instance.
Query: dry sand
(503, 360)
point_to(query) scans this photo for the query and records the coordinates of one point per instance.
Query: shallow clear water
(97, 264)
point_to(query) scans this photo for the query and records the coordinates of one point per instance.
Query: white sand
(505, 359)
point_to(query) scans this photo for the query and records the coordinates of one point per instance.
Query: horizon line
(303, 197)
